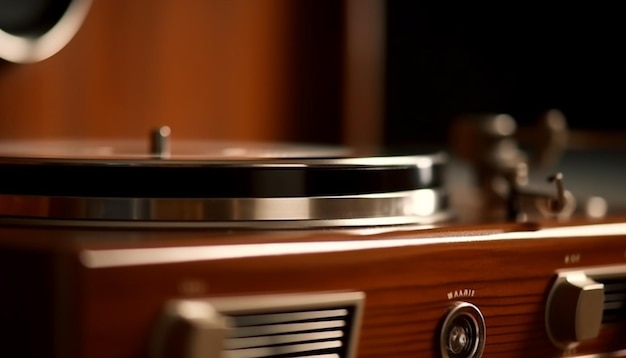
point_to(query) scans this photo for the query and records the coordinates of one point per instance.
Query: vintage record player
(166, 248)
(161, 247)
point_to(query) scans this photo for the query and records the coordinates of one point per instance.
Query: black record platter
(192, 249)
(217, 184)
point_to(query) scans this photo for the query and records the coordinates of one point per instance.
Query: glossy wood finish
(224, 70)
(407, 276)
(249, 71)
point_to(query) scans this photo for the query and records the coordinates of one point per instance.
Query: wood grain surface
(223, 70)
(110, 309)
(252, 70)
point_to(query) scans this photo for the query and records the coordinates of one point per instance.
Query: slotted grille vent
(614, 300)
(310, 333)
(322, 324)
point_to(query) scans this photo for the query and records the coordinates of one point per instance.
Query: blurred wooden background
(270, 70)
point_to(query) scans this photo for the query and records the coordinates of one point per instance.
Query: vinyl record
(217, 184)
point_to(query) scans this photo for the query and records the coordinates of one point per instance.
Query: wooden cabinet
(224, 70)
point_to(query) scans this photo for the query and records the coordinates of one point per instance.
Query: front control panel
(480, 293)
(548, 293)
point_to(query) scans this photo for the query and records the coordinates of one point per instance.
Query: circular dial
(462, 333)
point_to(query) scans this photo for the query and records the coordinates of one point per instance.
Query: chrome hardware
(558, 206)
(462, 332)
(491, 143)
(582, 301)
(160, 145)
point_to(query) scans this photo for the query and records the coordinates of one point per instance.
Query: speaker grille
(308, 333)
(614, 300)
(323, 325)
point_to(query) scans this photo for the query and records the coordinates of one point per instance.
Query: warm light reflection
(425, 203)
(127, 257)
(197, 310)
(616, 354)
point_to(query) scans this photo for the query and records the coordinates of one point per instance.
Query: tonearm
(502, 159)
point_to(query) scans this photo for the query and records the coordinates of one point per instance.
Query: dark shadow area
(317, 44)
(446, 61)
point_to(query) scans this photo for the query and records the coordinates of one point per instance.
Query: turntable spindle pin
(160, 142)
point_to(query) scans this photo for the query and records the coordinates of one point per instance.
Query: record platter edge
(216, 184)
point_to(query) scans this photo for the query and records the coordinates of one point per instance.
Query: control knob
(574, 309)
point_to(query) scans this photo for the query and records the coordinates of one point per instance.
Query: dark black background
(448, 60)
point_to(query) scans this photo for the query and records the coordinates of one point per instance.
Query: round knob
(574, 309)
(462, 332)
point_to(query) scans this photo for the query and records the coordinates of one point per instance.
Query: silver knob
(574, 309)
(462, 332)
(190, 329)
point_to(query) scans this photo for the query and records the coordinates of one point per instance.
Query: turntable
(173, 248)
(161, 183)
(159, 247)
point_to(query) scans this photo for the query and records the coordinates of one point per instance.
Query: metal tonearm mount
(502, 155)
(559, 205)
